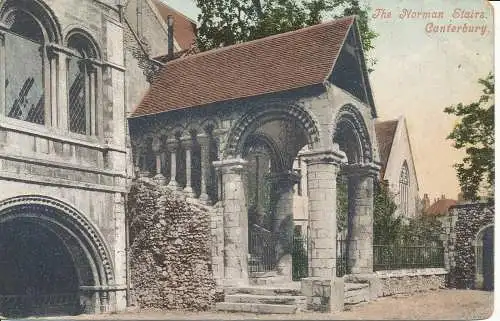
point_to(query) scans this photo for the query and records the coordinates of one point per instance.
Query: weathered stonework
(463, 226)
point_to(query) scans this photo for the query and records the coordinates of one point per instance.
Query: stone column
(322, 169)
(360, 221)
(187, 143)
(283, 221)
(235, 221)
(158, 178)
(62, 92)
(204, 142)
(173, 147)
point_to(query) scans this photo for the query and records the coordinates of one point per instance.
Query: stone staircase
(355, 293)
(285, 299)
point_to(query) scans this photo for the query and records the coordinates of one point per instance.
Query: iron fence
(45, 304)
(300, 264)
(403, 256)
(262, 251)
(341, 267)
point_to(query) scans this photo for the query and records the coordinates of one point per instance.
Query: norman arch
(256, 118)
(351, 133)
(72, 259)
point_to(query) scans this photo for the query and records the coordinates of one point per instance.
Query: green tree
(475, 133)
(227, 22)
(387, 226)
(342, 203)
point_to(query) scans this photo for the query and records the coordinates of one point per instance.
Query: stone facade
(465, 227)
(53, 171)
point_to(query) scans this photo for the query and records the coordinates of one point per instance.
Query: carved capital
(361, 170)
(323, 156)
(232, 165)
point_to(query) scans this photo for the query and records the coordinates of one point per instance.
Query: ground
(436, 305)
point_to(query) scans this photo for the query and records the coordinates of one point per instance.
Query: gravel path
(436, 305)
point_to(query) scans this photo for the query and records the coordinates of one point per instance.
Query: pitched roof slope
(184, 28)
(440, 207)
(281, 62)
(385, 132)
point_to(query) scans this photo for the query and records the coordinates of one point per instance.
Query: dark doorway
(488, 260)
(37, 273)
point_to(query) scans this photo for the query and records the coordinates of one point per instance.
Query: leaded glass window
(24, 83)
(81, 86)
(404, 184)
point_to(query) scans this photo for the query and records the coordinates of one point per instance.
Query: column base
(173, 185)
(188, 191)
(159, 179)
(204, 198)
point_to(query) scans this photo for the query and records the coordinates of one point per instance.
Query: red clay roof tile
(281, 62)
(184, 28)
(385, 132)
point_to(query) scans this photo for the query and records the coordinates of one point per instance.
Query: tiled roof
(281, 62)
(184, 28)
(385, 132)
(440, 207)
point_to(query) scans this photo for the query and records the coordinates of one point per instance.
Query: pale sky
(419, 73)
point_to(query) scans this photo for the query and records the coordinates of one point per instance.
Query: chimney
(170, 29)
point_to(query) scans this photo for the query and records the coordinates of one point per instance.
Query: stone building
(225, 126)
(70, 71)
(398, 167)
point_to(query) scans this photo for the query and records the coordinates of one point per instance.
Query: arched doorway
(52, 259)
(484, 259)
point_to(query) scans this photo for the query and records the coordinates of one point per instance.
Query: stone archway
(55, 261)
(484, 249)
(358, 173)
(277, 133)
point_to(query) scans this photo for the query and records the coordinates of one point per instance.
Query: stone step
(272, 280)
(266, 299)
(264, 290)
(356, 295)
(355, 286)
(256, 308)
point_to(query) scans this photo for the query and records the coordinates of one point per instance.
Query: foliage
(475, 133)
(387, 226)
(422, 230)
(227, 22)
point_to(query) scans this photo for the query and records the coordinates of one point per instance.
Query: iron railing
(262, 250)
(299, 258)
(342, 267)
(403, 256)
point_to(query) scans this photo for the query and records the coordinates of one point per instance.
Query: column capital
(203, 140)
(361, 170)
(186, 142)
(172, 143)
(324, 156)
(231, 165)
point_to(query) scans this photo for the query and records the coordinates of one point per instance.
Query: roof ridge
(160, 2)
(247, 43)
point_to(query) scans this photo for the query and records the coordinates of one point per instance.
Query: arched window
(25, 74)
(404, 185)
(82, 84)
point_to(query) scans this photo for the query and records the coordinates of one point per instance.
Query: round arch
(250, 121)
(351, 133)
(38, 9)
(85, 40)
(78, 234)
(483, 245)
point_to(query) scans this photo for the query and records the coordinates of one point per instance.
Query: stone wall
(463, 225)
(410, 281)
(170, 250)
